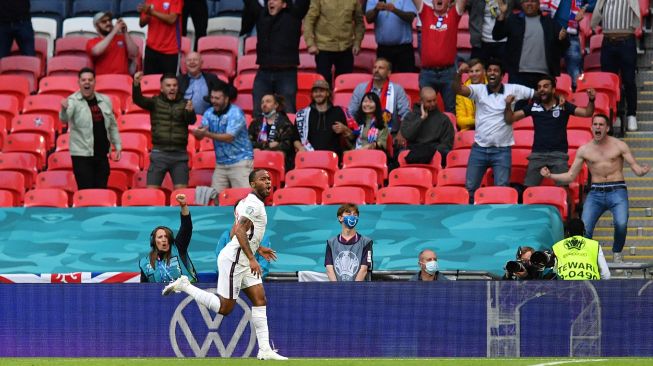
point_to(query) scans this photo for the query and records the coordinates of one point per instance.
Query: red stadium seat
(118, 183)
(223, 66)
(27, 143)
(204, 160)
(200, 177)
(250, 45)
(190, 197)
(143, 197)
(245, 83)
(25, 67)
(316, 179)
(231, 196)
(7, 199)
(15, 85)
(274, 163)
(220, 45)
(245, 102)
(95, 198)
(601, 103)
(342, 195)
(363, 63)
(419, 178)
(576, 139)
(452, 177)
(46, 197)
(365, 178)
(525, 123)
(342, 99)
(247, 64)
(61, 179)
(137, 143)
(40, 47)
(9, 109)
(604, 82)
(40, 124)
(450, 195)
(458, 158)
(206, 144)
(294, 196)
(137, 122)
(579, 123)
(434, 166)
(398, 195)
(132, 108)
(140, 181)
(117, 85)
(563, 85)
(546, 195)
(63, 86)
(318, 159)
(14, 183)
(523, 139)
(60, 160)
(463, 140)
(67, 65)
(71, 46)
(151, 85)
(305, 82)
(348, 82)
(25, 163)
(307, 63)
(128, 163)
(374, 159)
(495, 195)
(452, 117)
(410, 82)
(49, 105)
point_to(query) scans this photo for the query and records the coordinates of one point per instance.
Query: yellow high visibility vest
(577, 258)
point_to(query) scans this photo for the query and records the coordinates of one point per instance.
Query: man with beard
(427, 129)
(392, 95)
(238, 267)
(113, 49)
(493, 135)
(550, 119)
(321, 125)
(604, 157)
(170, 116)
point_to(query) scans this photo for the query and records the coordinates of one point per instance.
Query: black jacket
(184, 81)
(514, 27)
(277, 45)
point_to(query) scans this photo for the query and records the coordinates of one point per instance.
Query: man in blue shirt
(393, 21)
(224, 123)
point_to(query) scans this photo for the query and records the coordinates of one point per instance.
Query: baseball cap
(100, 15)
(321, 84)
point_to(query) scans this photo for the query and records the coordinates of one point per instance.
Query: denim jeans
(282, 82)
(22, 32)
(620, 57)
(481, 158)
(440, 80)
(574, 59)
(616, 202)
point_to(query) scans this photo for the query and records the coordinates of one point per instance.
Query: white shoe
(269, 354)
(176, 286)
(618, 257)
(631, 123)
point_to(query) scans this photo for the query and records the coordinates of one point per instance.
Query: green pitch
(328, 362)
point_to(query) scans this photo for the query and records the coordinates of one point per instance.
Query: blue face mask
(431, 267)
(350, 221)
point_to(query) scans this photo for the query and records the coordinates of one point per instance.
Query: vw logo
(212, 322)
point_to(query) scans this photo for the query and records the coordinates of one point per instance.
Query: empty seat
(49, 105)
(225, 45)
(231, 196)
(8, 109)
(342, 195)
(604, 82)
(495, 195)
(434, 166)
(15, 85)
(128, 163)
(447, 195)
(46, 197)
(61, 179)
(14, 183)
(458, 158)
(576, 138)
(452, 177)
(7, 199)
(364, 178)
(224, 66)
(204, 160)
(137, 143)
(318, 159)
(151, 85)
(273, 162)
(188, 192)
(117, 85)
(35, 123)
(410, 82)
(70, 46)
(294, 196)
(143, 197)
(200, 177)
(26, 67)
(563, 85)
(245, 83)
(118, 183)
(463, 140)
(348, 82)
(399, 195)
(525, 123)
(95, 198)
(418, 178)
(63, 86)
(25, 163)
(316, 179)
(247, 64)
(60, 160)
(67, 65)
(523, 139)
(547, 195)
(27, 143)
(374, 159)
(90, 7)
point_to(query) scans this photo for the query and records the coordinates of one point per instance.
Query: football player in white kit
(238, 268)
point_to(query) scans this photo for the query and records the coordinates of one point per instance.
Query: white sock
(260, 321)
(211, 301)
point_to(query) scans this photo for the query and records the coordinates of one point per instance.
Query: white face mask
(431, 267)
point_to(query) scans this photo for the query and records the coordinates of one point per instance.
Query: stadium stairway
(639, 242)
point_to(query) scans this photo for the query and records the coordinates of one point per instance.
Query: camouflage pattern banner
(484, 237)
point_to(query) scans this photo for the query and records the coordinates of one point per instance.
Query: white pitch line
(568, 361)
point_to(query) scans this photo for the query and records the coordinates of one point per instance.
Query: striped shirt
(617, 17)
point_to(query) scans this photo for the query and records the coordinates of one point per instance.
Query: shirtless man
(604, 156)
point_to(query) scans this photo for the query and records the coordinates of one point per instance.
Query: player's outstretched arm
(639, 170)
(243, 225)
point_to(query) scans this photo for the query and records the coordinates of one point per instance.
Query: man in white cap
(113, 49)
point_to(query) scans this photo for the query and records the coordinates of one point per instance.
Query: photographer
(530, 265)
(579, 258)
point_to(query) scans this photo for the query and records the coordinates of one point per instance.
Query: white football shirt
(252, 208)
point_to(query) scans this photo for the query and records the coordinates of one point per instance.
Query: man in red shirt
(113, 49)
(163, 44)
(439, 46)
